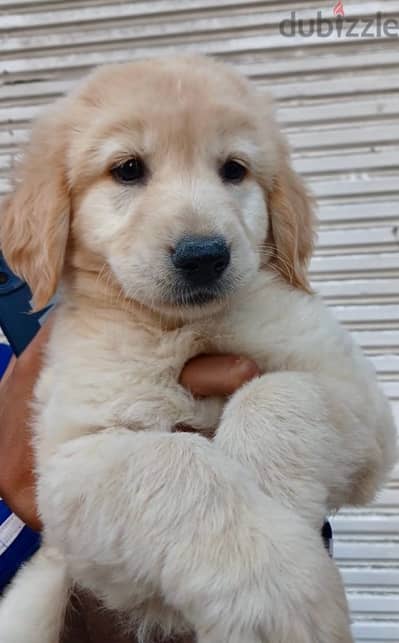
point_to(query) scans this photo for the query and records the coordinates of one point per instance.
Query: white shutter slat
(5, 185)
(355, 264)
(325, 60)
(391, 390)
(291, 115)
(19, 114)
(354, 289)
(378, 604)
(383, 158)
(350, 237)
(360, 211)
(371, 632)
(368, 525)
(368, 577)
(366, 313)
(12, 137)
(38, 91)
(384, 132)
(388, 498)
(383, 551)
(335, 88)
(5, 162)
(358, 185)
(386, 364)
(378, 339)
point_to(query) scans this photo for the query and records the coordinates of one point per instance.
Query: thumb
(221, 375)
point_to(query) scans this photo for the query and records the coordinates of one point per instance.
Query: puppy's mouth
(198, 296)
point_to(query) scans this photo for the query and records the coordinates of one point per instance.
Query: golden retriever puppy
(160, 194)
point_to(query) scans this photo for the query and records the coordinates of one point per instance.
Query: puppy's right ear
(34, 218)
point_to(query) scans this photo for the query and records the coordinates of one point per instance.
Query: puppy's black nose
(201, 260)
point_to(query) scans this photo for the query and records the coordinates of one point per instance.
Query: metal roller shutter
(339, 103)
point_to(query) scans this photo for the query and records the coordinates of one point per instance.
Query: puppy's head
(168, 179)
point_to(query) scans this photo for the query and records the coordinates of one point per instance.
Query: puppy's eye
(233, 171)
(131, 171)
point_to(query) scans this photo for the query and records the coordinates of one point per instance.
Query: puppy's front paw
(262, 430)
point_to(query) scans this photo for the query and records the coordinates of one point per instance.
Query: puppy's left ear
(292, 223)
(34, 219)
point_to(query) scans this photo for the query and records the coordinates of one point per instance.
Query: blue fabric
(27, 541)
(5, 356)
(20, 550)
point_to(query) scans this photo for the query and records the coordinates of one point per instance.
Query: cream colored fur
(171, 529)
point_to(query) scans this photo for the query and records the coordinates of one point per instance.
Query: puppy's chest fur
(156, 400)
(126, 377)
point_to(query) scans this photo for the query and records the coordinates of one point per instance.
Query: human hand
(217, 375)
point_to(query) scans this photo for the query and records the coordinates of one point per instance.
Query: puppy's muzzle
(201, 261)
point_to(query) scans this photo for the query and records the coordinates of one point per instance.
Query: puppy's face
(173, 200)
(167, 177)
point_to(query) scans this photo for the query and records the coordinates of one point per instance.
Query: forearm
(17, 541)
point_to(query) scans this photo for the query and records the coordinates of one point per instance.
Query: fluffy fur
(220, 537)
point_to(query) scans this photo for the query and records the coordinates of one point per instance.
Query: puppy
(160, 195)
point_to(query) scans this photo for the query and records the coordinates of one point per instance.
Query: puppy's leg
(143, 514)
(309, 440)
(280, 428)
(33, 608)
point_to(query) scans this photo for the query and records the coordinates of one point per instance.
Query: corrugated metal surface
(339, 103)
